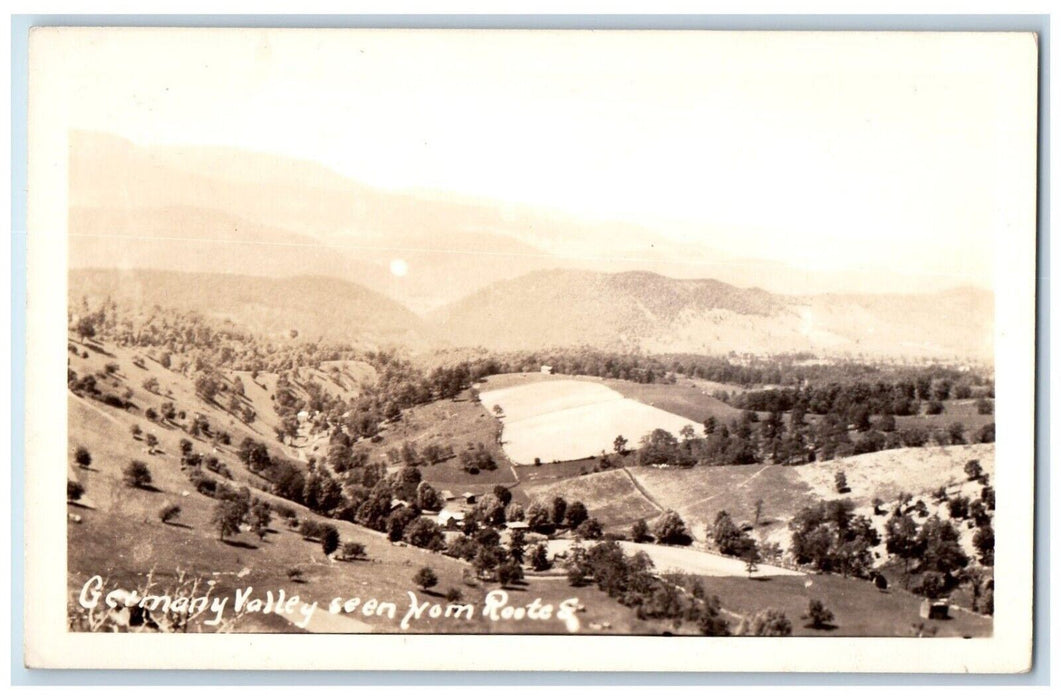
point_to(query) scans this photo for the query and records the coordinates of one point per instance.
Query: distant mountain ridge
(649, 312)
(214, 209)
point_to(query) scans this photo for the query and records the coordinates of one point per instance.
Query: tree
(508, 573)
(973, 470)
(86, 327)
(751, 556)
(425, 578)
(329, 540)
(261, 515)
(503, 494)
(758, 511)
(136, 431)
(538, 517)
(658, 447)
(767, 623)
(228, 516)
(710, 621)
(540, 558)
(841, 482)
(577, 513)
(74, 490)
(670, 529)
(820, 616)
(82, 457)
(940, 546)
(727, 536)
(169, 512)
(150, 385)
(151, 441)
(901, 539)
(639, 531)
(620, 445)
(984, 542)
(558, 510)
(136, 474)
(425, 533)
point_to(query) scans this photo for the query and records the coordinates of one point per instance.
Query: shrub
(74, 490)
(767, 623)
(819, 615)
(135, 430)
(294, 574)
(671, 529)
(136, 474)
(639, 532)
(169, 512)
(82, 456)
(353, 550)
(590, 530)
(311, 530)
(425, 578)
(453, 595)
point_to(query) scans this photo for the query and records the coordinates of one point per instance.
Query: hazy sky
(880, 153)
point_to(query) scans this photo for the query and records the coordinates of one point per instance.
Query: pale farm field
(885, 474)
(684, 560)
(566, 420)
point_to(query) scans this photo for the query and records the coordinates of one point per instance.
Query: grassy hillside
(120, 537)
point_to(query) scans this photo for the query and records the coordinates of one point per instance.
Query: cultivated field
(568, 419)
(610, 496)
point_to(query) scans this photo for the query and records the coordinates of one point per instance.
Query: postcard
(531, 350)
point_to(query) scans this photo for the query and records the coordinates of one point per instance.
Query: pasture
(568, 419)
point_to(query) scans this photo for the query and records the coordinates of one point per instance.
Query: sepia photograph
(559, 342)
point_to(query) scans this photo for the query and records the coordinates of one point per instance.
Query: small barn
(469, 497)
(935, 609)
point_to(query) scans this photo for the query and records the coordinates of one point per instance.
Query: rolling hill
(316, 307)
(650, 312)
